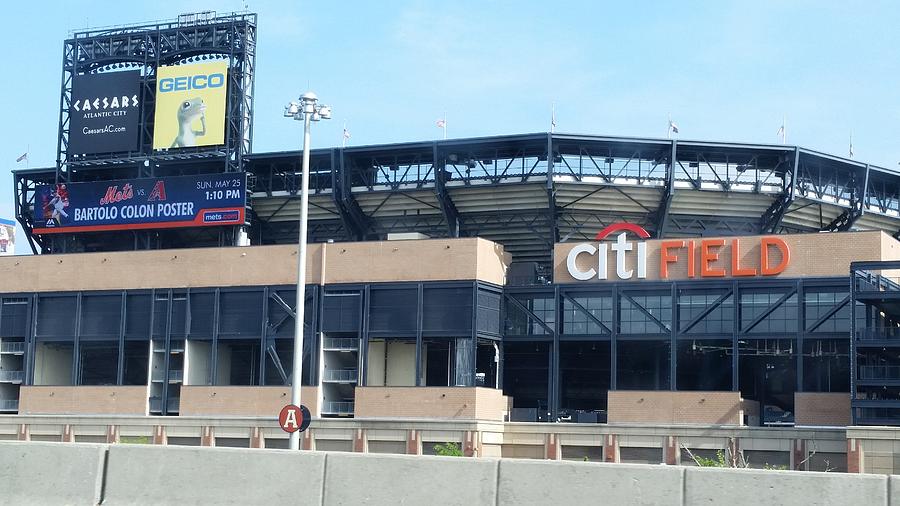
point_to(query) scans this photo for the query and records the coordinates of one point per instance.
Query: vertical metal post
(297, 366)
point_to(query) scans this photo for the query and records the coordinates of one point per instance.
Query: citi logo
(620, 246)
(704, 258)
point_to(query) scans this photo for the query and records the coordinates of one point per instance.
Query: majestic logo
(706, 265)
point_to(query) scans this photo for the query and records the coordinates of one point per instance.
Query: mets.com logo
(704, 258)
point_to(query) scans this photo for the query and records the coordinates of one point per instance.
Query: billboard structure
(142, 203)
(190, 105)
(105, 113)
(7, 237)
(192, 79)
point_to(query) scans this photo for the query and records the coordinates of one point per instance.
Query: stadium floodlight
(306, 110)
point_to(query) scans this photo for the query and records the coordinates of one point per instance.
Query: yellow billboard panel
(190, 105)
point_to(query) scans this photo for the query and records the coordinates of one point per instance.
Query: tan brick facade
(822, 409)
(359, 262)
(663, 407)
(85, 400)
(463, 403)
(242, 400)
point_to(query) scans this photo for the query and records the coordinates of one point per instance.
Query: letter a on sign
(293, 418)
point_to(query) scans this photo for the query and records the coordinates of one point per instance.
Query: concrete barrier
(738, 487)
(147, 474)
(542, 482)
(51, 473)
(62, 473)
(397, 479)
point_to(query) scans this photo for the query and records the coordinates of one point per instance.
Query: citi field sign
(699, 258)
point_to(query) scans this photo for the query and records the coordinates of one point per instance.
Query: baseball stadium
(539, 277)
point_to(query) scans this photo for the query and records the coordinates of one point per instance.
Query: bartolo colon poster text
(190, 105)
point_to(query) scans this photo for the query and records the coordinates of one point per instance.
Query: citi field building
(537, 277)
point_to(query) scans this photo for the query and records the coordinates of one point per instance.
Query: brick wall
(641, 406)
(464, 403)
(816, 408)
(242, 400)
(83, 400)
(353, 262)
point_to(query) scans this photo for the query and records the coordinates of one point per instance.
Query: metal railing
(867, 281)
(879, 372)
(9, 404)
(337, 407)
(12, 376)
(340, 344)
(341, 375)
(173, 404)
(155, 405)
(878, 334)
(12, 347)
(176, 376)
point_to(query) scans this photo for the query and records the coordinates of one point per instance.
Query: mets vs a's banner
(190, 105)
(147, 203)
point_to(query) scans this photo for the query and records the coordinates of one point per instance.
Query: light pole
(306, 110)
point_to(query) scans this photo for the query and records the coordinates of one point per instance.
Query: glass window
(99, 362)
(718, 321)
(820, 303)
(642, 365)
(781, 319)
(648, 314)
(577, 320)
(704, 364)
(826, 365)
(519, 322)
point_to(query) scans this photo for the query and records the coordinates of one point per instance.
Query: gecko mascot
(189, 111)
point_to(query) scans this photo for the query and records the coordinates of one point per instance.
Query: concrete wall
(648, 406)
(242, 400)
(52, 364)
(87, 400)
(461, 403)
(822, 409)
(426, 260)
(811, 255)
(196, 362)
(400, 364)
(143, 474)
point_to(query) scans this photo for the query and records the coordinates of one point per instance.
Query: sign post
(293, 418)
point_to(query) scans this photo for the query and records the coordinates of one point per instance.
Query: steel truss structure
(530, 191)
(261, 317)
(875, 343)
(786, 318)
(230, 38)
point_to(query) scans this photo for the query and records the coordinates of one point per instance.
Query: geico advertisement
(190, 105)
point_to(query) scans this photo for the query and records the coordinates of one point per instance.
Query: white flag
(23, 157)
(346, 133)
(851, 145)
(441, 123)
(673, 127)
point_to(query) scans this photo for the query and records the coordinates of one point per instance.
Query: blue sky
(723, 70)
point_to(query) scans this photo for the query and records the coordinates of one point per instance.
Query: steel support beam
(448, 208)
(665, 202)
(552, 222)
(847, 219)
(771, 218)
(355, 221)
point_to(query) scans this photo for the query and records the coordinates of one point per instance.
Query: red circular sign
(290, 418)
